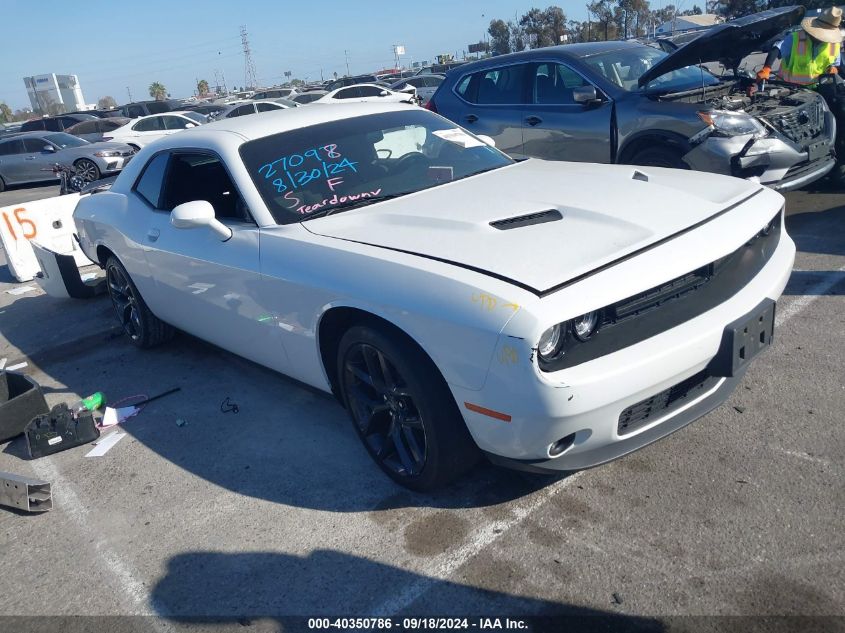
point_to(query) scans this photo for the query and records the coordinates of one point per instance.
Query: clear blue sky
(115, 44)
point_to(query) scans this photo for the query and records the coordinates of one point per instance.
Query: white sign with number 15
(48, 222)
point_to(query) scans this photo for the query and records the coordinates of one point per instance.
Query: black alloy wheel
(140, 324)
(384, 410)
(125, 302)
(402, 408)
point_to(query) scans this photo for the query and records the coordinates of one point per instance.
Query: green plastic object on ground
(93, 402)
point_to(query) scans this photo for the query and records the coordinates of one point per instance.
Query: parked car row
(28, 157)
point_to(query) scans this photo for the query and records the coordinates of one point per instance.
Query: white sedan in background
(552, 316)
(368, 93)
(146, 129)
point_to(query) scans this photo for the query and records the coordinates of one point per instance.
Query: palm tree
(202, 87)
(158, 91)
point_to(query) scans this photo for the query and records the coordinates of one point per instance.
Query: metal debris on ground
(25, 493)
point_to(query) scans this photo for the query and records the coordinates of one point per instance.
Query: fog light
(561, 445)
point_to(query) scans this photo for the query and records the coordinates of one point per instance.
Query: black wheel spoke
(384, 410)
(401, 449)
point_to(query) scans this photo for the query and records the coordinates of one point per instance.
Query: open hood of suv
(728, 43)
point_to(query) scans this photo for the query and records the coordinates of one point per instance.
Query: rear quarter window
(149, 184)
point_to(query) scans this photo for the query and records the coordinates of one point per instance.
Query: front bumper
(111, 164)
(774, 161)
(584, 403)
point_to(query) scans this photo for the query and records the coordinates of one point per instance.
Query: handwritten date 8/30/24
(417, 624)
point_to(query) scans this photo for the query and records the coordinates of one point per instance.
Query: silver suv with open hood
(627, 102)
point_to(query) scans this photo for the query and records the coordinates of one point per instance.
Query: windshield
(63, 140)
(624, 67)
(328, 167)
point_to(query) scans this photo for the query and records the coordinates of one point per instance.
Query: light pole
(346, 54)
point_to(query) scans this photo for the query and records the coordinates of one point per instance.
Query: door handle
(533, 120)
(470, 118)
(152, 234)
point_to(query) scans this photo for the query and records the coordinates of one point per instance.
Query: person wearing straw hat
(812, 51)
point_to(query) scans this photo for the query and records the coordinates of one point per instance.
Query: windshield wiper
(353, 204)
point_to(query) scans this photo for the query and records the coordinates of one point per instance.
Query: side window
(54, 125)
(34, 145)
(10, 148)
(202, 177)
(135, 111)
(149, 184)
(553, 84)
(502, 86)
(432, 82)
(243, 110)
(152, 124)
(260, 95)
(174, 123)
(266, 107)
(349, 93)
(463, 88)
(87, 127)
(369, 91)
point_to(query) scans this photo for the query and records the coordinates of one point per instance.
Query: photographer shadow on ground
(223, 588)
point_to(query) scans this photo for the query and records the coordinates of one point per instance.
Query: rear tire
(2, 186)
(402, 409)
(659, 157)
(143, 328)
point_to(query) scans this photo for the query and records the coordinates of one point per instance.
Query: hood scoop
(518, 221)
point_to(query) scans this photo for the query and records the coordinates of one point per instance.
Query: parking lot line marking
(483, 537)
(65, 498)
(829, 279)
(806, 457)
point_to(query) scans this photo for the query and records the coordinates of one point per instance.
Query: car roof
(571, 51)
(285, 120)
(36, 133)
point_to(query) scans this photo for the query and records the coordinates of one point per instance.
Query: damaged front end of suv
(780, 135)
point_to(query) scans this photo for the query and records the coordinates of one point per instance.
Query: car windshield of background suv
(340, 165)
(62, 140)
(624, 67)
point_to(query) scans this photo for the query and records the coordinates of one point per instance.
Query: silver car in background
(28, 157)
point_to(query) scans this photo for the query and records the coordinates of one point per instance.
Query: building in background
(54, 94)
(688, 23)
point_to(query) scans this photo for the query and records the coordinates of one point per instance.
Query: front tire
(87, 169)
(402, 409)
(143, 328)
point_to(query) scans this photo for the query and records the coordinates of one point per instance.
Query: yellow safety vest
(801, 67)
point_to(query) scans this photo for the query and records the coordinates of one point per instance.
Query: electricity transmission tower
(250, 80)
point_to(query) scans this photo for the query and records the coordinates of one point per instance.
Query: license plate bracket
(744, 339)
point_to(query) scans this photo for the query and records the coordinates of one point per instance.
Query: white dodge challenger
(552, 316)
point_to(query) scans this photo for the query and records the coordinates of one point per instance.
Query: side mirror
(411, 90)
(49, 149)
(383, 93)
(196, 214)
(585, 94)
(487, 140)
(190, 125)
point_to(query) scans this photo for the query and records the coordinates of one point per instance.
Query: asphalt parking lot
(235, 519)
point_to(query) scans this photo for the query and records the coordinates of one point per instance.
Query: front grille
(803, 123)
(646, 411)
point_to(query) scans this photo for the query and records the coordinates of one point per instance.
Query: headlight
(550, 342)
(733, 123)
(584, 326)
(106, 153)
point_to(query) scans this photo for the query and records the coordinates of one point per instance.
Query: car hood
(592, 216)
(727, 43)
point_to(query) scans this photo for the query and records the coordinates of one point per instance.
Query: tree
(202, 87)
(500, 39)
(517, 37)
(603, 10)
(107, 102)
(158, 91)
(5, 113)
